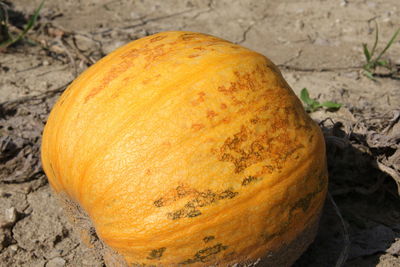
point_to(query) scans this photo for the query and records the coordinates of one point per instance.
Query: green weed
(6, 37)
(373, 62)
(313, 105)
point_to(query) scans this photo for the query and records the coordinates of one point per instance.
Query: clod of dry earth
(316, 43)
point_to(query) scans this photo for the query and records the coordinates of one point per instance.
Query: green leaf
(366, 53)
(376, 39)
(368, 66)
(311, 104)
(369, 75)
(382, 62)
(331, 105)
(304, 95)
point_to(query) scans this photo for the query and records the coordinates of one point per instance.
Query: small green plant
(312, 104)
(373, 62)
(7, 38)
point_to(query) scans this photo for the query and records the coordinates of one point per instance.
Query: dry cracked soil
(316, 43)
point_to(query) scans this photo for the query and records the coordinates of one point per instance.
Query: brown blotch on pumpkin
(223, 106)
(228, 194)
(248, 180)
(159, 203)
(205, 254)
(156, 254)
(208, 238)
(194, 55)
(201, 199)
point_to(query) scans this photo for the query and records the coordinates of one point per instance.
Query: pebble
(9, 218)
(56, 262)
(13, 247)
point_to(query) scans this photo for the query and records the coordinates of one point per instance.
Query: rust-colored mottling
(199, 99)
(197, 126)
(223, 106)
(211, 114)
(130, 54)
(157, 38)
(111, 75)
(226, 120)
(245, 148)
(193, 55)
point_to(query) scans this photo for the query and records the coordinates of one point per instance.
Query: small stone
(10, 216)
(13, 247)
(56, 262)
(45, 63)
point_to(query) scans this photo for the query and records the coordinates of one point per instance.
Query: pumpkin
(186, 149)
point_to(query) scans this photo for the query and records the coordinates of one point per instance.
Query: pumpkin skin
(184, 148)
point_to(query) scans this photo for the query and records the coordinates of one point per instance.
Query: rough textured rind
(286, 255)
(179, 136)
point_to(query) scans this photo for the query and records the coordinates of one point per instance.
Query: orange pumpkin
(184, 148)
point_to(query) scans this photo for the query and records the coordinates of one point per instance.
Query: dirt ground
(316, 43)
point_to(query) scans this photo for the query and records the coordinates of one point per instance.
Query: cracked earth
(317, 44)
